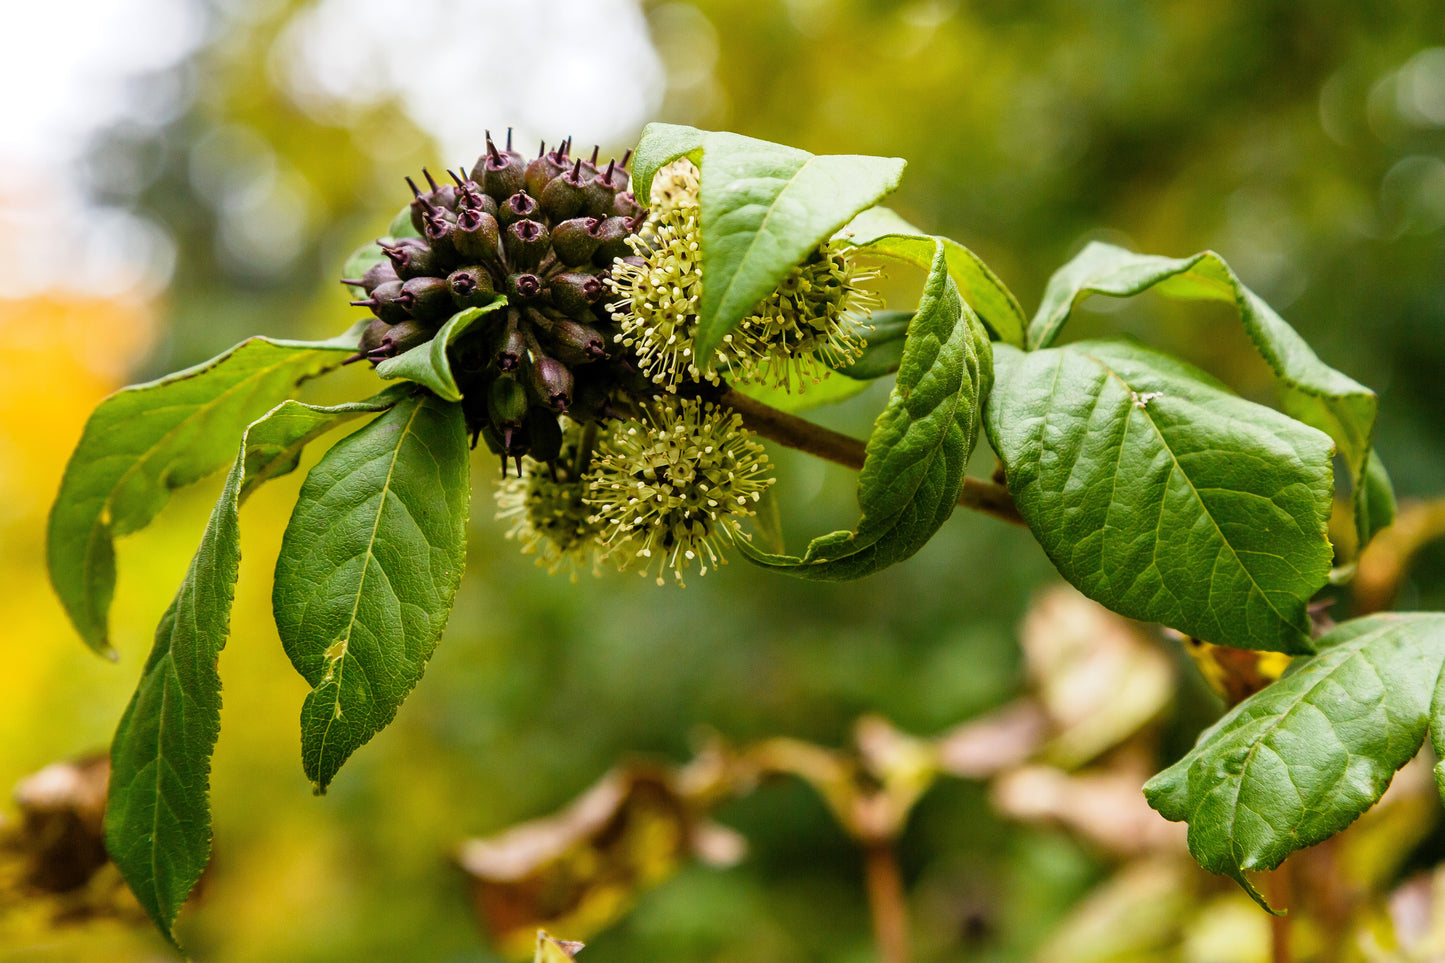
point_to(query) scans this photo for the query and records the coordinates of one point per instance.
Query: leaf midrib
(953, 404)
(1274, 725)
(1190, 482)
(361, 583)
(97, 526)
(762, 229)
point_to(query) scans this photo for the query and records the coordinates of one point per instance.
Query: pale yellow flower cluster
(665, 491)
(806, 326)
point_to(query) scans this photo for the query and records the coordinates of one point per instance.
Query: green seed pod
(471, 197)
(565, 195)
(428, 300)
(440, 224)
(525, 243)
(499, 172)
(519, 206)
(548, 164)
(574, 242)
(576, 293)
(625, 205)
(600, 193)
(507, 402)
(524, 287)
(385, 303)
(495, 444)
(471, 287)
(613, 234)
(544, 434)
(477, 236)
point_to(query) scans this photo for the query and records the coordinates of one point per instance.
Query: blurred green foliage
(1303, 142)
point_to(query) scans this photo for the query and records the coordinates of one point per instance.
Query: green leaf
(1298, 761)
(427, 364)
(661, 144)
(1437, 732)
(1374, 501)
(158, 819)
(368, 568)
(1163, 496)
(764, 207)
(914, 468)
(883, 336)
(147, 440)
(401, 225)
(1310, 390)
(887, 234)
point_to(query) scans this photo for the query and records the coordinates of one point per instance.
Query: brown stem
(885, 899)
(794, 432)
(1280, 895)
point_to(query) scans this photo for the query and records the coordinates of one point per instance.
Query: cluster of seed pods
(543, 233)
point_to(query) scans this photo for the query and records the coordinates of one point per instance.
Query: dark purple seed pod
(371, 339)
(401, 338)
(544, 434)
(576, 343)
(495, 443)
(565, 195)
(574, 242)
(411, 257)
(625, 205)
(499, 172)
(512, 347)
(524, 287)
(600, 193)
(428, 300)
(612, 236)
(471, 287)
(477, 237)
(440, 224)
(520, 206)
(551, 382)
(507, 402)
(541, 170)
(576, 293)
(470, 196)
(589, 165)
(525, 243)
(590, 396)
(378, 274)
(385, 303)
(424, 202)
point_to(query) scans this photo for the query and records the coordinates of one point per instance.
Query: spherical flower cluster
(813, 318)
(662, 491)
(806, 326)
(672, 490)
(548, 511)
(661, 288)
